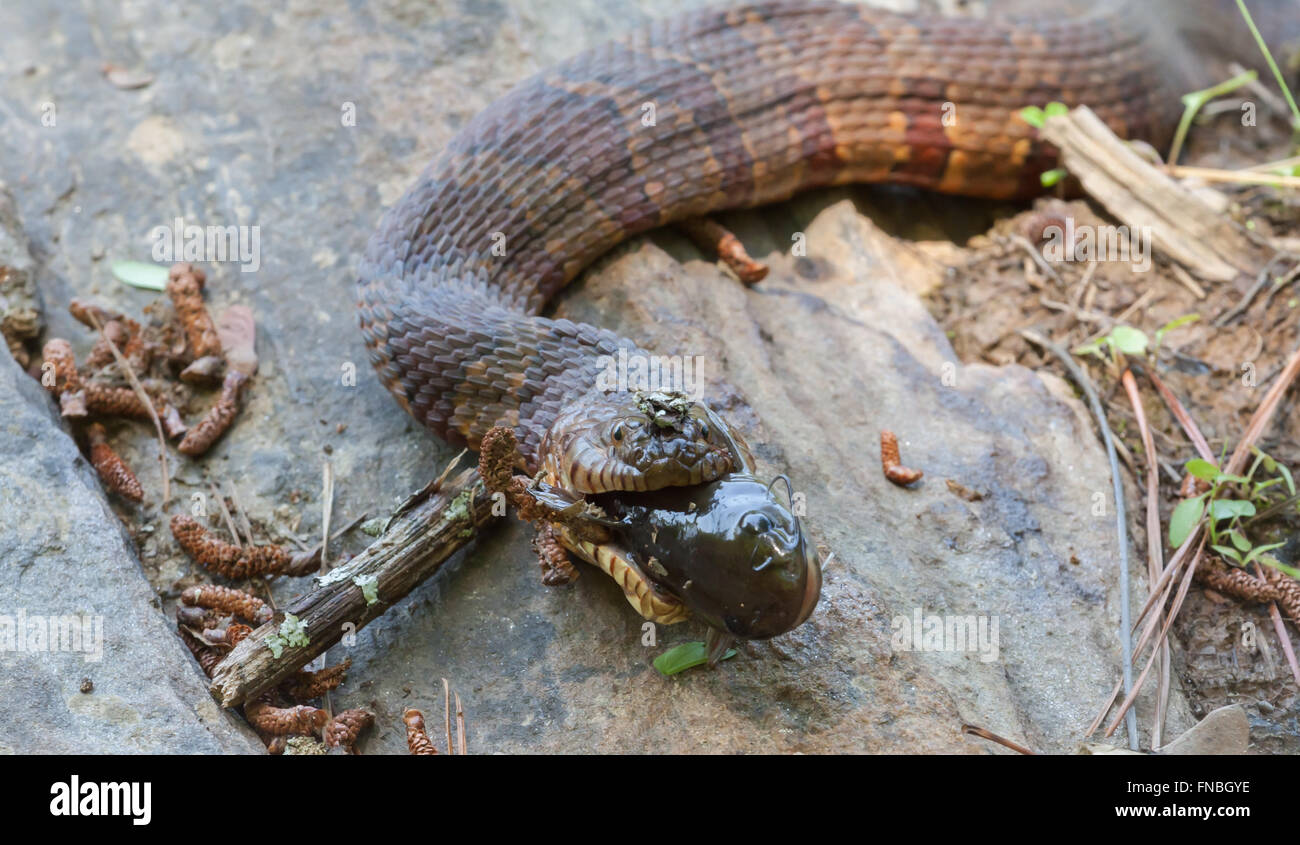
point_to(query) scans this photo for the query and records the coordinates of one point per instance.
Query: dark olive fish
(732, 553)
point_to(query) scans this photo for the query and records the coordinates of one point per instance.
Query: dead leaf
(127, 80)
(238, 332)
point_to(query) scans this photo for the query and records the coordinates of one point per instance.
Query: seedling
(1228, 504)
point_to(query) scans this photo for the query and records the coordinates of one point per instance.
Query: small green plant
(1195, 100)
(1037, 118)
(1229, 503)
(1272, 64)
(1129, 341)
(686, 656)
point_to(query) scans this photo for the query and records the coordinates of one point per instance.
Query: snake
(708, 111)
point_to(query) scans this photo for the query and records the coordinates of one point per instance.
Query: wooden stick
(1241, 177)
(1155, 545)
(427, 529)
(1182, 225)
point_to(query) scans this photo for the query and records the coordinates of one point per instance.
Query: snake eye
(704, 430)
(618, 434)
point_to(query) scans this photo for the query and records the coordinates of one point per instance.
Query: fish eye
(756, 523)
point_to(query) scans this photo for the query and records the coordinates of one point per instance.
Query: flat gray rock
(75, 606)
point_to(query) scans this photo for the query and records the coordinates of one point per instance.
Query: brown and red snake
(713, 110)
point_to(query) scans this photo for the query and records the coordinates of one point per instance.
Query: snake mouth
(689, 465)
(685, 466)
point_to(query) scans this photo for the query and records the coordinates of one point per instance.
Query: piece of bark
(425, 532)
(1182, 225)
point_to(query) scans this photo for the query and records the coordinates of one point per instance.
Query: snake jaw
(647, 599)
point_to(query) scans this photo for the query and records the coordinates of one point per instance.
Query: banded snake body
(751, 105)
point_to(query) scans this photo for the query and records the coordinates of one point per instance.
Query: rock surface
(247, 123)
(75, 606)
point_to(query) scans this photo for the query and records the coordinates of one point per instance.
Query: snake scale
(712, 110)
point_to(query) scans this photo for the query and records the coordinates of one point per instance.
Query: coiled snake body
(712, 110)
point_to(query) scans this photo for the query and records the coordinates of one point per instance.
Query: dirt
(1219, 366)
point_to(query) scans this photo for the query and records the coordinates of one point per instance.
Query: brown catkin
(417, 739)
(106, 401)
(230, 634)
(304, 685)
(557, 568)
(113, 471)
(185, 287)
(891, 463)
(281, 721)
(228, 600)
(207, 656)
(101, 355)
(711, 236)
(1288, 592)
(1233, 581)
(58, 354)
(228, 560)
(498, 453)
(200, 438)
(200, 618)
(1276, 586)
(237, 633)
(83, 311)
(344, 728)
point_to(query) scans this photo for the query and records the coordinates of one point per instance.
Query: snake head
(636, 442)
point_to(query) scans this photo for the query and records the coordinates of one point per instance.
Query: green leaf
(1228, 552)
(1184, 519)
(1259, 550)
(1262, 486)
(1055, 109)
(1202, 469)
(1224, 478)
(1129, 340)
(1034, 116)
(1221, 509)
(1092, 347)
(1175, 324)
(685, 656)
(1239, 541)
(1053, 177)
(1269, 560)
(1269, 463)
(1286, 473)
(140, 274)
